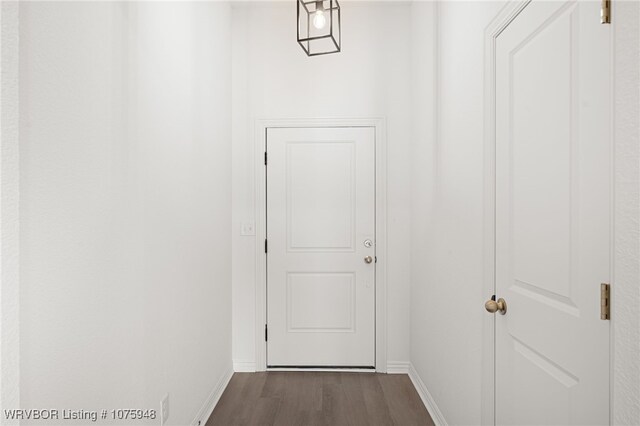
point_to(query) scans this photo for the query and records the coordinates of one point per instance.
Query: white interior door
(553, 215)
(321, 247)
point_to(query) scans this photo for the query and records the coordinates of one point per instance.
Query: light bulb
(319, 21)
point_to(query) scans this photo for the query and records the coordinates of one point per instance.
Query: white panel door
(552, 215)
(321, 232)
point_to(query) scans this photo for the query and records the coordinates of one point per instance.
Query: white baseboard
(426, 397)
(397, 367)
(207, 408)
(244, 366)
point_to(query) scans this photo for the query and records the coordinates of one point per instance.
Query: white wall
(125, 205)
(9, 209)
(626, 268)
(273, 78)
(447, 213)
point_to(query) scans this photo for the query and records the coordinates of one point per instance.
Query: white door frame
(260, 133)
(493, 30)
(506, 15)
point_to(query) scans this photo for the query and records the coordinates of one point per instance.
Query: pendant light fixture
(319, 31)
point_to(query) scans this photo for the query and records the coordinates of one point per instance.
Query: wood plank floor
(319, 398)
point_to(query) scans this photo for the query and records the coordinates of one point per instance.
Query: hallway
(319, 398)
(210, 216)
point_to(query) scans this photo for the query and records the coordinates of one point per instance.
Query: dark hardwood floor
(318, 398)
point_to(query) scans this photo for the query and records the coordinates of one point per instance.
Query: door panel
(320, 210)
(321, 302)
(552, 215)
(328, 204)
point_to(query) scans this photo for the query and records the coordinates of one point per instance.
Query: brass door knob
(499, 306)
(368, 259)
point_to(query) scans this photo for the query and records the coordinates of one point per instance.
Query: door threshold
(319, 368)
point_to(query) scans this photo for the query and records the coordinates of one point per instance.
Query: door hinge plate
(265, 245)
(265, 158)
(605, 12)
(605, 301)
(266, 334)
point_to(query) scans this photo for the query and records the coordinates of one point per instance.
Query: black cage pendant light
(319, 31)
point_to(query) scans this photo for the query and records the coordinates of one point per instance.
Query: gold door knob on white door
(368, 259)
(500, 306)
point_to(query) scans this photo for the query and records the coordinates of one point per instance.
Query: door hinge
(605, 301)
(265, 158)
(265, 245)
(605, 12)
(266, 334)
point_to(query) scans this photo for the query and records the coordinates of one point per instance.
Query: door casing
(260, 132)
(506, 15)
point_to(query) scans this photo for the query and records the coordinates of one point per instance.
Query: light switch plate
(248, 229)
